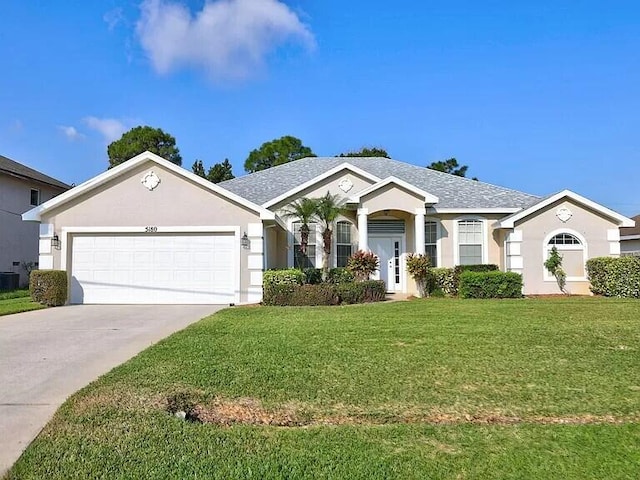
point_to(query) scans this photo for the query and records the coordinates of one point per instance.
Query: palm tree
(304, 210)
(328, 210)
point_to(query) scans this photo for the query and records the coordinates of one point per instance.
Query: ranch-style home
(148, 231)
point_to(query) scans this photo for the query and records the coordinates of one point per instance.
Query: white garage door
(170, 269)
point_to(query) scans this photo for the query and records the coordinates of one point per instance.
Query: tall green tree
(140, 139)
(450, 166)
(328, 209)
(220, 172)
(367, 152)
(276, 152)
(198, 169)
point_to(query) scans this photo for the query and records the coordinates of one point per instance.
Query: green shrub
(490, 284)
(288, 276)
(444, 279)
(480, 267)
(340, 275)
(419, 267)
(615, 277)
(301, 295)
(362, 264)
(554, 265)
(361, 292)
(49, 287)
(312, 276)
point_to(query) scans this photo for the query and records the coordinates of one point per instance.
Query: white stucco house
(148, 231)
(630, 239)
(21, 189)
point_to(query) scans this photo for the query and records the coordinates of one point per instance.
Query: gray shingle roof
(452, 191)
(14, 168)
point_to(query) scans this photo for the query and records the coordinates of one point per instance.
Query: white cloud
(113, 18)
(227, 38)
(70, 132)
(110, 128)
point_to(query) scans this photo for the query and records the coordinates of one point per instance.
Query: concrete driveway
(47, 355)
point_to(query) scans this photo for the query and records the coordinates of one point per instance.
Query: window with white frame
(470, 242)
(572, 251)
(343, 243)
(301, 260)
(35, 197)
(431, 241)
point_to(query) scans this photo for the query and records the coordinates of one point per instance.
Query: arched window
(572, 249)
(343, 243)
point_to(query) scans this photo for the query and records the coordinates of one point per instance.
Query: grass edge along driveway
(522, 388)
(16, 302)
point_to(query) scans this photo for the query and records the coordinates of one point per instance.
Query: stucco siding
(175, 202)
(585, 223)
(391, 197)
(18, 239)
(493, 238)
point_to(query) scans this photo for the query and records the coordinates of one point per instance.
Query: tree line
(270, 154)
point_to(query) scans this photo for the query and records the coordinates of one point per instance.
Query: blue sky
(536, 96)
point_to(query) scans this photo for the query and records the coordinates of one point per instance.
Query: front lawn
(424, 389)
(17, 301)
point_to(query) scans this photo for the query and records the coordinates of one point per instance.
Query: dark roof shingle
(14, 168)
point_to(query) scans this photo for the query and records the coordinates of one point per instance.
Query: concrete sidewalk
(46, 355)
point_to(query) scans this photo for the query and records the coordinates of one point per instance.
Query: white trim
(254, 295)
(613, 234)
(418, 231)
(456, 236)
(363, 229)
(546, 248)
(516, 262)
(428, 198)
(255, 262)
(614, 248)
(327, 174)
(46, 230)
(510, 221)
(469, 211)
(44, 245)
(35, 214)
(255, 230)
(45, 262)
(629, 237)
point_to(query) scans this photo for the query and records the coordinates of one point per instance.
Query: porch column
(418, 225)
(363, 243)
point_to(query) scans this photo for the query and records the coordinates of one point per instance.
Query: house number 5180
(150, 229)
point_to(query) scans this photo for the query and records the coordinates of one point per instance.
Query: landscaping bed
(437, 388)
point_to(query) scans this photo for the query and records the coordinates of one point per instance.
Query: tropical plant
(362, 264)
(304, 210)
(554, 265)
(328, 209)
(419, 267)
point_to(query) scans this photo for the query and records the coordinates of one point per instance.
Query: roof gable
(509, 222)
(428, 198)
(95, 182)
(11, 167)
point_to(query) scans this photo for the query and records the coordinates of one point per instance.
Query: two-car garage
(171, 268)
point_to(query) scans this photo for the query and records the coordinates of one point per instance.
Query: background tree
(328, 209)
(198, 168)
(140, 139)
(220, 172)
(367, 152)
(450, 166)
(276, 152)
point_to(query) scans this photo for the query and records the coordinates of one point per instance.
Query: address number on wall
(150, 229)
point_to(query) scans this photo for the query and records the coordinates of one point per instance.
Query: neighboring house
(21, 189)
(148, 231)
(630, 239)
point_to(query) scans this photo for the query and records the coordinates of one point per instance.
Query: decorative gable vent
(385, 226)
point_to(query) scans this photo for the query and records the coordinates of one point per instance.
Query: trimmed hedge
(491, 284)
(48, 287)
(289, 276)
(312, 276)
(615, 277)
(340, 275)
(324, 293)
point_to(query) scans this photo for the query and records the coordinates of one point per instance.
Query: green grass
(424, 389)
(17, 301)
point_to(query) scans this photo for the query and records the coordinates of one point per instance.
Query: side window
(35, 197)
(307, 260)
(431, 241)
(470, 242)
(572, 251)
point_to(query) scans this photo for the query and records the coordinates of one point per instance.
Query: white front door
(388, 249)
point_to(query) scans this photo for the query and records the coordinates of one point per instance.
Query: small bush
(615, 277)
(480, 267)
(312, 276)
(444, 279)
(49, 287)
(288, 276)
(340, 275)
(362, 292)
(490, 284)
(419, 267)
(362, 265)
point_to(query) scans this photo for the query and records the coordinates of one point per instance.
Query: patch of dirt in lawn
(248, 411)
